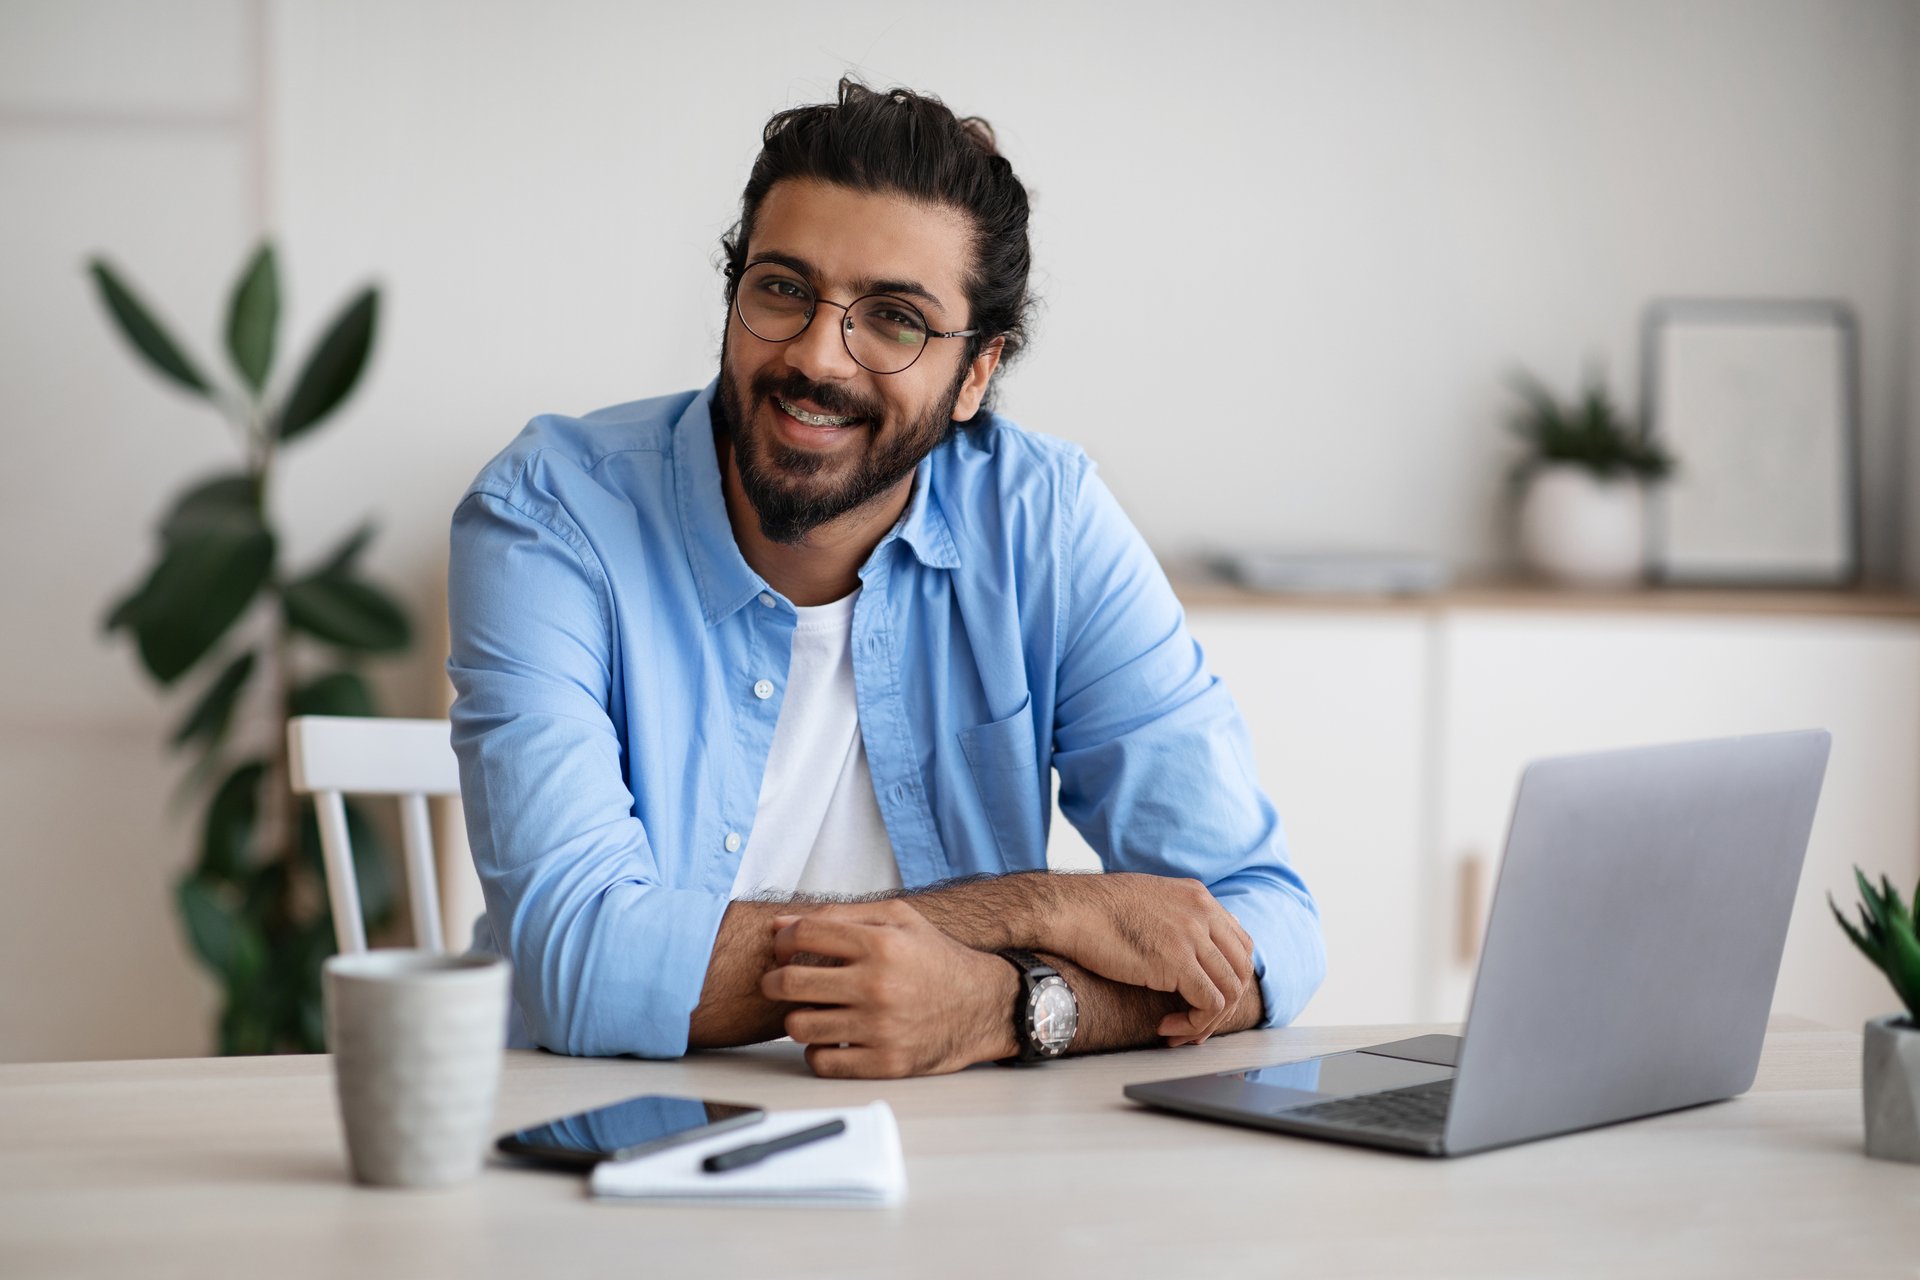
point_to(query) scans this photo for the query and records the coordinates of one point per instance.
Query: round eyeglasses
(883, 334)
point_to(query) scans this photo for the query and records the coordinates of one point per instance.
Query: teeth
(815, 419)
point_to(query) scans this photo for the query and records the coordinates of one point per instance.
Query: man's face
(797, 474)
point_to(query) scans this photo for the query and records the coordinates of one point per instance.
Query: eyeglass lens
(883, 333)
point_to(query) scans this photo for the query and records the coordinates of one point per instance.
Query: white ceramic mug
(417, 1039)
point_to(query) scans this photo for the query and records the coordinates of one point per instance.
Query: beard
(794, 491)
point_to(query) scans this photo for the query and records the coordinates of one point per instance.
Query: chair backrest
(333, 757)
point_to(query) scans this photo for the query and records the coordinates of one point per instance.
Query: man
(759, 688)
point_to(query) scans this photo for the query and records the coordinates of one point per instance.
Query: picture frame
(1758, 402)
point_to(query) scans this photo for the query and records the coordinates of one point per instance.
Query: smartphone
(622, 1130)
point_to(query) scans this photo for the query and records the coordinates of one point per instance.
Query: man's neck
(825, 565)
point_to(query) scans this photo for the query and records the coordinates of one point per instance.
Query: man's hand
(906, 1000)
(1164, 934)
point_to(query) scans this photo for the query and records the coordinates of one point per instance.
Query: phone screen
(624, 1129)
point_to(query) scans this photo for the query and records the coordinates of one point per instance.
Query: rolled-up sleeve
(1155, 765)
(608, 957)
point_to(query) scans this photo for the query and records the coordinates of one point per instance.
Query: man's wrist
(1045, 913)
(1000, 989)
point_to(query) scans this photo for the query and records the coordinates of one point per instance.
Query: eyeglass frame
(736, 276)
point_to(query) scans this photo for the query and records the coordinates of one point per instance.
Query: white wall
(126, 128)
(1287, 252)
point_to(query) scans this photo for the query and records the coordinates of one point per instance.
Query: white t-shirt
(817, 828)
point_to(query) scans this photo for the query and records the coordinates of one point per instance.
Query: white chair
(333, 757)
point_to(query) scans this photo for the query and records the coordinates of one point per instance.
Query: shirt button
(763, 689)
(766, 599)
(733, 842)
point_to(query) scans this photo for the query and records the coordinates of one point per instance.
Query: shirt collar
(924, 527)
(726, 581)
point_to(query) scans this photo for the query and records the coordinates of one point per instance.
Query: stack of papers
(1335, 573)
(862, 1167)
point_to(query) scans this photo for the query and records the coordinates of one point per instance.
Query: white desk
(205, 1167)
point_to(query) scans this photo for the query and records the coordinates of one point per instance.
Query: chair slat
(373, 756)
(423, 890)
(343, 891)
(332, 757)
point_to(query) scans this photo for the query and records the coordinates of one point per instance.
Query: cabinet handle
(1473, 875)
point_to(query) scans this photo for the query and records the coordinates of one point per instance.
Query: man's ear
(979, 375)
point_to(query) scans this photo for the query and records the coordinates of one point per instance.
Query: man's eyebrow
(861, 287)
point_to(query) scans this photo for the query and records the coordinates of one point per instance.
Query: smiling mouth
(813, 419)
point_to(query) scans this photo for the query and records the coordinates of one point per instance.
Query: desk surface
(203, 1167)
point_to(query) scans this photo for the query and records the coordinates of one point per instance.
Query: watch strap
(1032, 970)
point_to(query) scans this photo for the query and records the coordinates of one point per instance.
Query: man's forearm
(732, 1011)
(1025, 909)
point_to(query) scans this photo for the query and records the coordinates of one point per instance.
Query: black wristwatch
(1044, 1012)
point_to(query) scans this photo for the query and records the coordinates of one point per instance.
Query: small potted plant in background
(1890, 1065)
(1583, 481)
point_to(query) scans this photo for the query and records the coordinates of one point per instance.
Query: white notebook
(861, 1168)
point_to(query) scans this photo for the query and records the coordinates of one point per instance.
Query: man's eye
(898, 319)
(786, 289)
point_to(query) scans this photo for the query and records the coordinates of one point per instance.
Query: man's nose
(821, 351)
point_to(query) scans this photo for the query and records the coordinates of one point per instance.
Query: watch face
(1054, 1015)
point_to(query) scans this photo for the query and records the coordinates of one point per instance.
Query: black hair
(909, 143)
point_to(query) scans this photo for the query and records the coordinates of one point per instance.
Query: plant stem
(284, 811)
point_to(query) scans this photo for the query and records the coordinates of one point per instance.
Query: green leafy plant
(267, 644)
(1589, 432)
(1887, 937)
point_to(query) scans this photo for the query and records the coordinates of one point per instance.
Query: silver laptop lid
(1635, 935)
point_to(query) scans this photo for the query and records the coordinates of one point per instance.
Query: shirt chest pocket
(1006, 774)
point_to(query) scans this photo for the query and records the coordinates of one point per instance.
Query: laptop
(1628, 966)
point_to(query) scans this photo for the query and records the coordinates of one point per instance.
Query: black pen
(755, 1152)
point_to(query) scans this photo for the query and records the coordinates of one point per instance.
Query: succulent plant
(1886, 936)
(1589, 432)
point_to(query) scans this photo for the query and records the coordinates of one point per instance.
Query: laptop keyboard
(1418, 1109)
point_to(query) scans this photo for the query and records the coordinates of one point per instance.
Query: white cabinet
(1391, 739)
(1522, 684)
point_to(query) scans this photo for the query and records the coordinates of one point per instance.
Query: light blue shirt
(619, 670)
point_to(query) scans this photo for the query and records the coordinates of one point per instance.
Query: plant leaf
(253, 318)
(230, 944)
(303, 1019)
(1860, 940)
(125, 609)
(139, 327)
(341, 562)
(227, 837)
(333, 368)
(1872, 911)
(230, 500)
(203, 583)
(226, 504)
(264, 888)
(1902, 948)
(213, 712)
(347, 612)
(342, 693)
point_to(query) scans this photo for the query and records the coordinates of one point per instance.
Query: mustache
(835, 400)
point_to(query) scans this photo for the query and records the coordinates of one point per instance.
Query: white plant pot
(1890, 1088)
(1584, 531)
